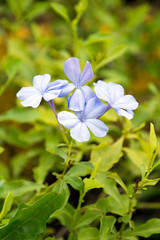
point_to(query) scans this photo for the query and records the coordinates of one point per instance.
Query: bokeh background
(120, 38)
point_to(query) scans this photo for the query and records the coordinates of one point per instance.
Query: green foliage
(92, 189)
(108, 155)
(31, 220)
(145, 230)
(89, 233)
(91, 184)
(18, 187)
(6, 206)
(107, 223)
(61, 10)
(113, 52)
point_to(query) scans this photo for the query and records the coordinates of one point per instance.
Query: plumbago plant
(110, 214)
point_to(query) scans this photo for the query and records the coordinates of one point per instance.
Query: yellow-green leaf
(91, 184)
(139, 158)
(61, 10)
(6, 206)
(108, 154)
(153, 139)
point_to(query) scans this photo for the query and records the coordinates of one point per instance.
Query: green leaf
(150, 182)
(97, 37)
(109, 204)
(19, 115)
(46, 163)
(58, 151)
(145, 230)
(18, 187)
(107, 223)
(80, 169)
(139, 158)
(31, 220)
(156, 164)
(113, 52)
(153, 139)
(87, 218)
(75, 182)
(6, 206)
(117, 178)
(4, 222)
(89, 233)
(91, 184)
(61, 10)
(65, 216)
(80, 9)
(14, 7)
(60, 187)
(109, 187)
(108, 154)
(37, 9)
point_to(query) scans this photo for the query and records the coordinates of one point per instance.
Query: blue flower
(84, 120)
(32, 96)
(82, 93)
(114, 94)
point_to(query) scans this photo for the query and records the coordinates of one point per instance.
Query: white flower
(84, 120)
(32, 96)
(114, 94)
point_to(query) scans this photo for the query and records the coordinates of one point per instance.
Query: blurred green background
(121, 40)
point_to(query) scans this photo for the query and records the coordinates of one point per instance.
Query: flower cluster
(85, 104)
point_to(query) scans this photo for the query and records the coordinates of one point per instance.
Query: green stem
(75, 215)
(75, 36)
(150, 164)
(51, 104)
(130, 209)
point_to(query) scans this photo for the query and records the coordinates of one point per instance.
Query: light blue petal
(127, 102)
(32, 101)
(77, 101)
(40, 82)
(26, 92)
(72, 70)
(88, 93)
(87, 74)
(80, 132)
(109, 92)
(51, 94)
(57, 84)
(68, 100)
(67, 89)
(97, 127)
(67, 119)
(94, 108)
(126, 114)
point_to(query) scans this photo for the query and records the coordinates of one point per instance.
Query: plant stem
(75, 214)
(130, 209)
(52, 106)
